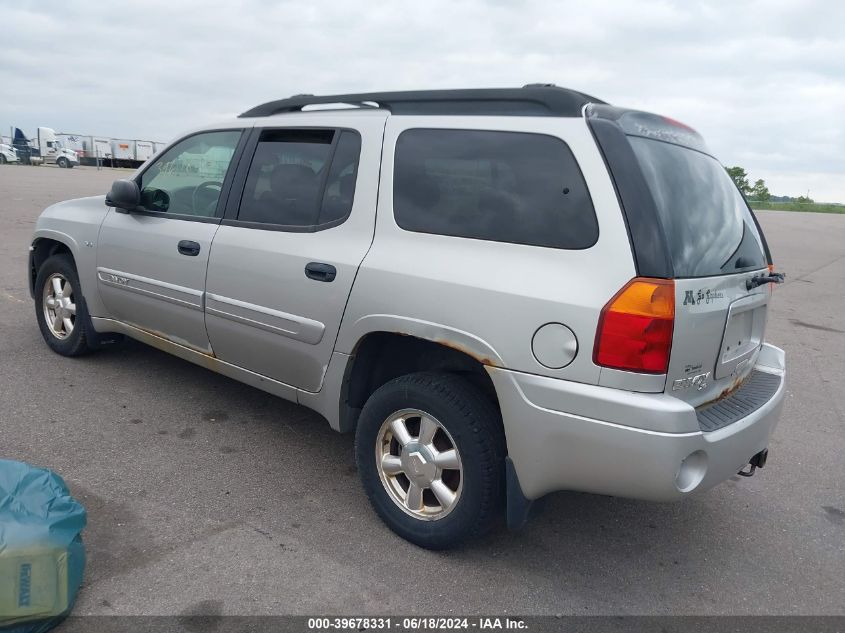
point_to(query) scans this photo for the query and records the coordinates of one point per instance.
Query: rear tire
(60, 308)
(435, 492)
(2, 159)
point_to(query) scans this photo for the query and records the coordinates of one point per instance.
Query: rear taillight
(635, 327)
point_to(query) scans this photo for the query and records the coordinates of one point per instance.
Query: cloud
(764, 82)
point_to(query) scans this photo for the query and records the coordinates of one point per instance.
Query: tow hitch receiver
(758, 461)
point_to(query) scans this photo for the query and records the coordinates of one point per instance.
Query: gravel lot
(207, 496)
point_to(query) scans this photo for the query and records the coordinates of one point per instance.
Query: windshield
(708, 226)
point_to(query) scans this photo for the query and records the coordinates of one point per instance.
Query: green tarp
(41, 552)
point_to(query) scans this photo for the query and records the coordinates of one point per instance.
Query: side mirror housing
(124, 195)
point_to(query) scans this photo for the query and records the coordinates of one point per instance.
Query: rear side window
(498, 186)
(340, 186)
(302, 179)
(708, 226)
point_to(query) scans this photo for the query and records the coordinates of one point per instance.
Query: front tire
(60, 308)
(430, 453)
(62, 163)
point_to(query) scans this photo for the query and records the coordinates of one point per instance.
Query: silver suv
(502, 293)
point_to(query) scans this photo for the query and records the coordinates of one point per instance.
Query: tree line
(758, 192)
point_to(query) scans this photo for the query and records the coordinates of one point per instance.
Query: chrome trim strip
(275, 321)
(104, 274)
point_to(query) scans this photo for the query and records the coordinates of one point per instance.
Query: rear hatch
(711, 246)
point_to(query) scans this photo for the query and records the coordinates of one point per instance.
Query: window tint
(708, 226)
(498, 186)
(188, 177)
(292, 183)
(340, 187)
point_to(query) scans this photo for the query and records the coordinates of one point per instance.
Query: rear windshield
(708, 226)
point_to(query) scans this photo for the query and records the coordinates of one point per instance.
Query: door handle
(189, 248)
(319, 271)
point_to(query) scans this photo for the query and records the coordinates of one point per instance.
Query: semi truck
(44, 148)
(110, 152)
(26, 150)
(52, 150)
(67, 149)
(73, 142)
(88, 148)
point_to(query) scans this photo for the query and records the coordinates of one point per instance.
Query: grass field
(814, 207)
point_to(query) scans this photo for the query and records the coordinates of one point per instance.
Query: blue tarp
(41, 552)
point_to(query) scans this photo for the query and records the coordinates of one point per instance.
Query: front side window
(301, 179)
(498, 186)
(188, 177)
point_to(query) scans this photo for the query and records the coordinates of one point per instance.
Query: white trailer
(123, 152)
(101, 147)
(96, 148)
(75, 149)
(143, 151)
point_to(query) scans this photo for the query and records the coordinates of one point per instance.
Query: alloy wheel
(59, 306)
(419, 464)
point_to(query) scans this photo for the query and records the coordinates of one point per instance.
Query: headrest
(419, 188)
(288, 174)
(347, 186)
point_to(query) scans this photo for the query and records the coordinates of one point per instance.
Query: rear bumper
(604, 454)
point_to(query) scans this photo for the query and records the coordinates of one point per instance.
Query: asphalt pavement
(208, 496)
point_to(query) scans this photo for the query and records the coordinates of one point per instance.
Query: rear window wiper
(768, 278)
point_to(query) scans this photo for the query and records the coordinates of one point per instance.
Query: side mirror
(124, 195)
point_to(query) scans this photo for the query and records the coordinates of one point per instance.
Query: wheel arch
(382, 355)
(44, 246)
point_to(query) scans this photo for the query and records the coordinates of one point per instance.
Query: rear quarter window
(511, 187)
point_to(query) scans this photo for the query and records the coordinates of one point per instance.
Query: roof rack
(530, 100)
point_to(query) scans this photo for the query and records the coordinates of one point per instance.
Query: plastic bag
(41, 553)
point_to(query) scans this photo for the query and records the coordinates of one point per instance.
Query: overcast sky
(764, 82)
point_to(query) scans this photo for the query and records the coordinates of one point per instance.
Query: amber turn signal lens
(635, 327)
